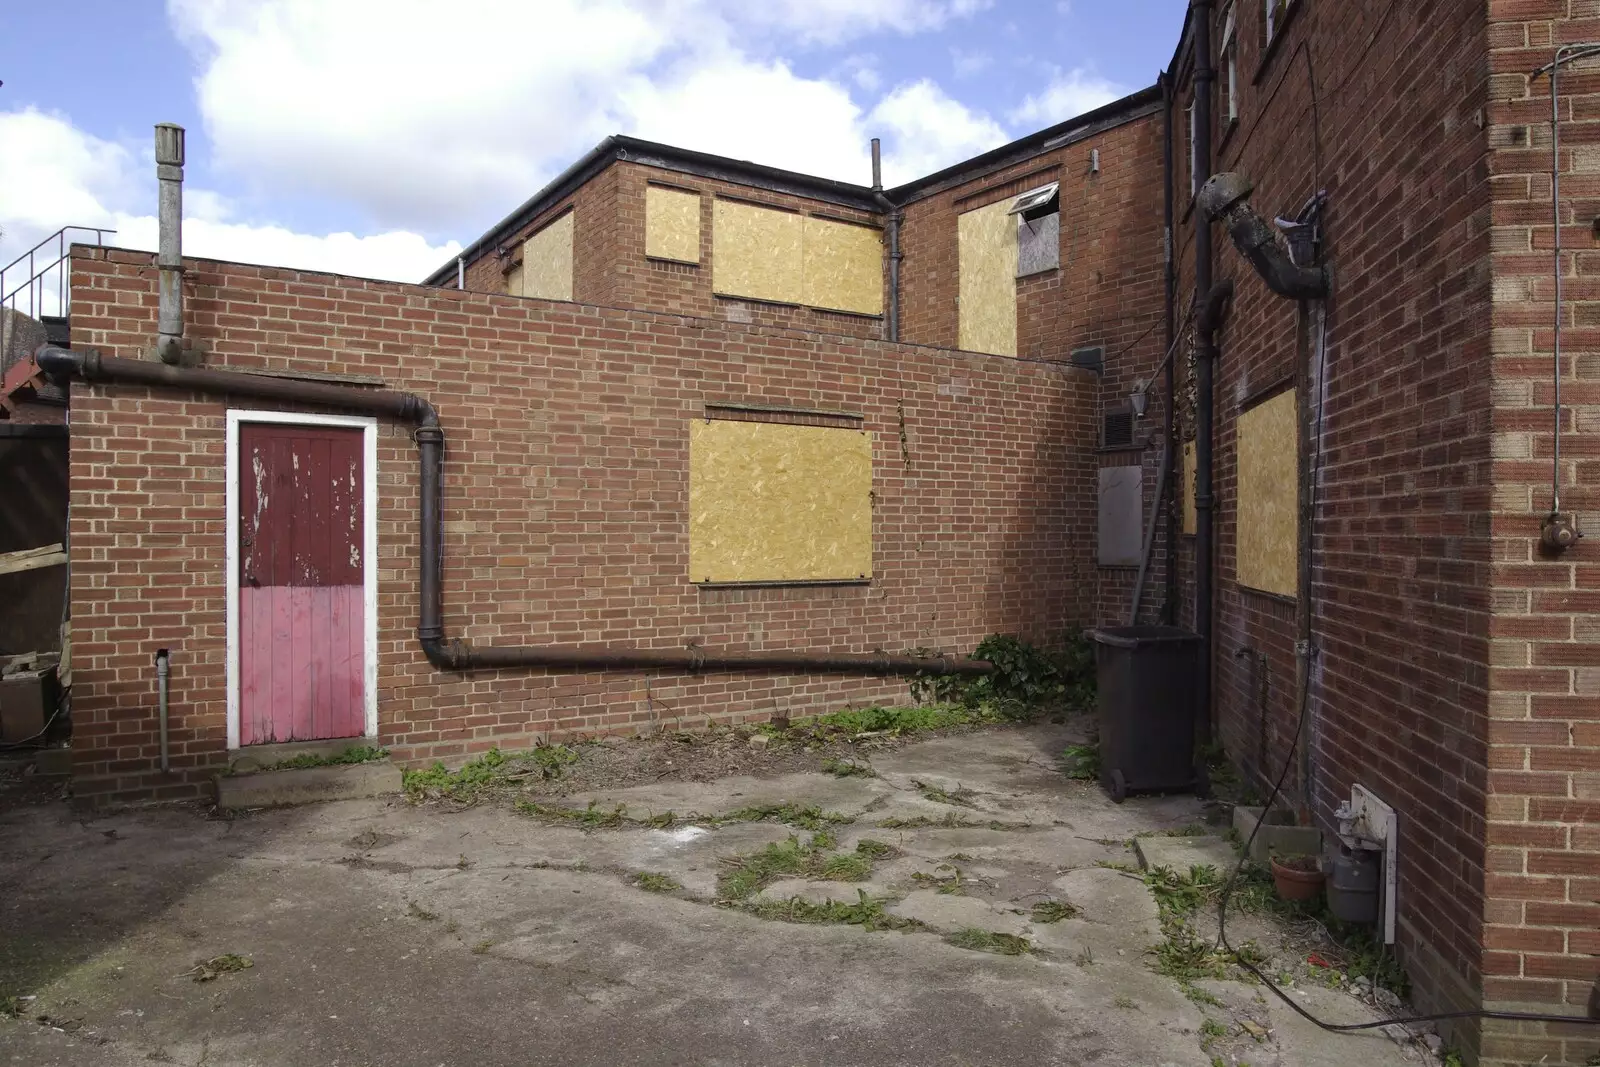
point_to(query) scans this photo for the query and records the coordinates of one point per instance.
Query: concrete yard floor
(382, 933)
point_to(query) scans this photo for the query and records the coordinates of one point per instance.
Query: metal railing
(36, 283)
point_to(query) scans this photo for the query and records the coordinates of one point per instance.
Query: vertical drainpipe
(461, 272)
(1169, 612)
(894, 217)
(1206, 356)
(169, 256)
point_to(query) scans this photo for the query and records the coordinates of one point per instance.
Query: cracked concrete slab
(385, 933)
(1182, 853)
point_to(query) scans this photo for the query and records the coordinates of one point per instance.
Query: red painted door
(302, 620)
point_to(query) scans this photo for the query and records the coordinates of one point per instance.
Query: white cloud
(54, 174)
(967, 64)
(928, 130)
(833, 21)
(761, 112)
(1068, 94)
(444, 123)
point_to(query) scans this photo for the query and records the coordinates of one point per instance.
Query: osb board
(987, 290)
(1269, 495)
(770, 502)
(1190, 522)
(547, 261)
(755, 252)
(842, 267)
(671, 224)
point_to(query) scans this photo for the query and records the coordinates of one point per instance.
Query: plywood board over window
(1269, 496)
(843, 267)
(1191, 520)
(546, 270)
(755, 252)
(987, 282)
(671, 224)
(773, 502)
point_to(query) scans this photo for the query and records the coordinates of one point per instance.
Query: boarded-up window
(546, 270)
(779, 503)
(843, 267)
(987, 284)
(1191, 521)
(671, 224)
(755, 252)
(1269, 495)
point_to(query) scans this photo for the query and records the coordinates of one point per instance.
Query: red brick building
(1382, 604)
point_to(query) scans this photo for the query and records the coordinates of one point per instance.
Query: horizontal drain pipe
(456, 655)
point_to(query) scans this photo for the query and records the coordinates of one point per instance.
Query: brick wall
(565, 508)
(1108, 291)
(595, 252)
(686, 288)
(1381, 107)
(1543, 911)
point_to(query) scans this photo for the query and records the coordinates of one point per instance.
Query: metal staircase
(35, 305)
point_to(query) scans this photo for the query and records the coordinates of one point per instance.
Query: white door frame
(369, 563)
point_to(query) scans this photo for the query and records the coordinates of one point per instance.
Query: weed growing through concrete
(809, 817)
(1126, 1003)
(869, 913)
(592, 817)
(890, 722)
(464, 785)
(417, 911)
(1198, 996)
(551, 761)
(1211, 1032)
(847, 768)
(358, 754)
(989, 941)
(958, 797)
(1081, 762)
(1051, 910)
(654, 882)
(872, 849)
(945, 878)
(482, 947)
(745, 875)
(952, 821)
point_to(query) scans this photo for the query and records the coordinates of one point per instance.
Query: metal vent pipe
(169, 258)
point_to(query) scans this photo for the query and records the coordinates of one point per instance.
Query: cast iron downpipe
(1226, 198)
(1169, 609)
(1205, 360)
(894, 216)
(455, 655)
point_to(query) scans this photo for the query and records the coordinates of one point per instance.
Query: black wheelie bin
(1148, 679)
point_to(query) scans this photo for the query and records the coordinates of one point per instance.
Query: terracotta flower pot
(1295, 883)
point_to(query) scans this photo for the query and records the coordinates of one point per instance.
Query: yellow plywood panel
(987, 291)
(778, 503)
(547, 262)
(671, 224)
(1269, 495)
(755, 252)
(1190, 523)
(843, 267)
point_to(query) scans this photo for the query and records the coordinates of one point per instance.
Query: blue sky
(375, 136)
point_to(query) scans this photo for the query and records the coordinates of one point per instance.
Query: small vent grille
(1116, 430)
